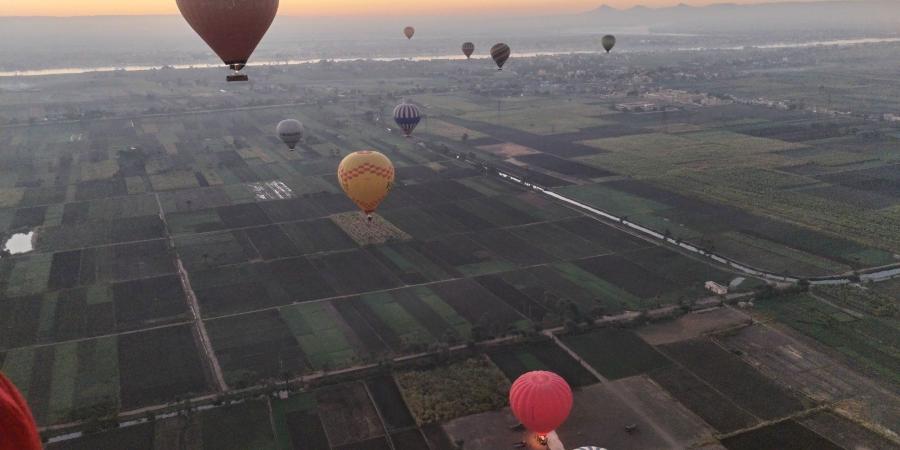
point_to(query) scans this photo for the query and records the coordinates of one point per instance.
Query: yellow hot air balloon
(366, 176)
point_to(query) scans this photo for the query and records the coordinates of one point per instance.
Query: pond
(19, 243)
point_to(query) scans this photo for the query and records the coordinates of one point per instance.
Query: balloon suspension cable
(542, 439)
(369, 218)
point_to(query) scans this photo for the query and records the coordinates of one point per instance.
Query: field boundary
(874, 274)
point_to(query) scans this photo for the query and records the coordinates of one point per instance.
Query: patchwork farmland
(191, 276)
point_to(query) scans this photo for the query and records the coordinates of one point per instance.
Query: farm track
(624, 397)
(384, 426)
(211, 362)
(848, 311)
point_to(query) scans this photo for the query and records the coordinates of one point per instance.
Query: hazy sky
(336, 7)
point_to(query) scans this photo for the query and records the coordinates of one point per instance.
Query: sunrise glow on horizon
(339, 7)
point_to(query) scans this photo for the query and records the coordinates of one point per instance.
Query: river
(200, 65)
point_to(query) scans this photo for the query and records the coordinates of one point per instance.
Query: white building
(716, 288)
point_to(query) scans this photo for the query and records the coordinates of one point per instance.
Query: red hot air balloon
(17, 428)
(541, 401)
(232, 28)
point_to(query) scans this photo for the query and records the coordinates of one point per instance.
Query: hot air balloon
(407, 117)
(609, 41)
(468, 48)
(366, 176)
(409, 32)
(500, 53)
(290, 132)
(541, 401)
(16, 422)
(232, 28)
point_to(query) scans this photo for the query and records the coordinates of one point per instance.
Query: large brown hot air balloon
(500, 53)
(232, 28)
(409, 32)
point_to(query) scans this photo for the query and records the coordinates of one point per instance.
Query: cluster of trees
(446, 392)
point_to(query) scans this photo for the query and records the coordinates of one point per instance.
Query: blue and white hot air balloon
(407, 117)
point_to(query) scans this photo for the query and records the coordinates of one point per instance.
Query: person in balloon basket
(17, 428)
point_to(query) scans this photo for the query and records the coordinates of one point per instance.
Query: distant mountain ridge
(839, 14)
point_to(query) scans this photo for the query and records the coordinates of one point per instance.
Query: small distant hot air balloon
(290, 132)
(541, 401)
(407, 117)
(609, 41)
(366, 177)
(500, 53)
(232, 28)
(468, 48)
(409, 32)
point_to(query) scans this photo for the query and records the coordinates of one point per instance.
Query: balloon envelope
(500, 53)
(232, 28)
(17, 426)
(409, 32)
(290, 132)
(541, 401)
(468, 48)
(366, 177)
(407, 117)
(608, 41)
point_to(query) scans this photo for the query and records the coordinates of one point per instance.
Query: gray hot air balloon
(290, 131)
(609, 41)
